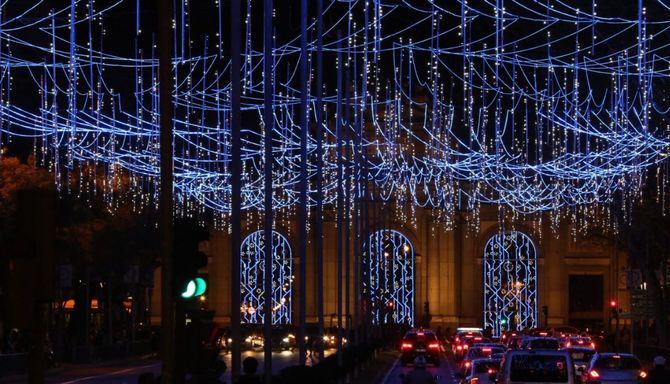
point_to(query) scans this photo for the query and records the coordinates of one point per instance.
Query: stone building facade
(449, 272)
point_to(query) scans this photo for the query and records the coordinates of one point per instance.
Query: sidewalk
(73, 370)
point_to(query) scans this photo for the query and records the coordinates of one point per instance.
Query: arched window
(252, 273)
(510, 282)
(388, 277)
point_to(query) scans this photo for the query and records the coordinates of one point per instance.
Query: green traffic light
(194, 288)
(503, 321)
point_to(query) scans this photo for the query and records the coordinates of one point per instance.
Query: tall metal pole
(166, 198)
(318, 227)
(302, 209)
(268, 123)
(340, 201)
(236, 180)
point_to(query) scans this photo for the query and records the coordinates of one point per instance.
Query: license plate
(421, 350)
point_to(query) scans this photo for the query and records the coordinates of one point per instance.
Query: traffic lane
(445, 372)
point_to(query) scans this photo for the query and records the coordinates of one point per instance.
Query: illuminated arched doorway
(252, 272)
(388, 277)
(510, 282)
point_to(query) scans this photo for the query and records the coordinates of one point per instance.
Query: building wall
(448, 270)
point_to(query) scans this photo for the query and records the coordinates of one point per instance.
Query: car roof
(610, 354)
(538, 352)
(579, 348)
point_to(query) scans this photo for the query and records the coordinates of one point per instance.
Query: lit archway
(388, 277)
(510, 282)
(252, 272)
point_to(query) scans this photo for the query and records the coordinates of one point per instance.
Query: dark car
(420, 342)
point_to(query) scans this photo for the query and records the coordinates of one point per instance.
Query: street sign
(641, 304)
(64, 276)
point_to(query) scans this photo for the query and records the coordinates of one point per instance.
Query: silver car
(614, 368)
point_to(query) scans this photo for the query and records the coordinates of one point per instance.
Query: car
(581, 356)
(530, 342)
(611, 368)
(478, 351)
(481, 371)
(463, 341)
(536, 366)
(514, 342)
(420, 342)
(579, 341)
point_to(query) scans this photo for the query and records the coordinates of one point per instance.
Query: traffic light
(188, 259)
(614, 309)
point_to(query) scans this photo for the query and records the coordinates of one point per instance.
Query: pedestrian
(659, 374)
(249, 368)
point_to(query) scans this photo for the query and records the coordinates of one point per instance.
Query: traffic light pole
(166, 198)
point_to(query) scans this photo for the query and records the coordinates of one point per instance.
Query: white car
(537, 366)
(614, 368)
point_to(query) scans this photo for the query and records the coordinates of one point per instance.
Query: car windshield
(539, 368)
(581, 355)
(617, 362)
(484, 366)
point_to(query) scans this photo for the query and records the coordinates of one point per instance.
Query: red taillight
(580, 342)
(458, 339)
(568, 344)
(467, 364)
(594, 374)
(459, 348)
(643, 375)
(490, 371)
(478, 339)
(434, 345)
(486, 350)
(593, 345)
(407, 346)
(465, 346)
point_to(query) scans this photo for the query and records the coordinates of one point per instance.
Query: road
(445, 372)
(127, 371)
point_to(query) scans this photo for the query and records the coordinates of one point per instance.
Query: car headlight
(285, 339)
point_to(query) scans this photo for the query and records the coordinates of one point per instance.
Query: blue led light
(388, 277)
(510, 282)
(252, 271)
(570, 113)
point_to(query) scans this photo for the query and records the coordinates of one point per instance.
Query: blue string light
(561, 118)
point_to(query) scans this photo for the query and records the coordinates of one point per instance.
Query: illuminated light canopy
(510, 282)
(252, 273)
(530, 106)
(388, 277)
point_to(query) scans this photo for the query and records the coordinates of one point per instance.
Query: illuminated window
(252, 272)
(510, 282)
(388, 277)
